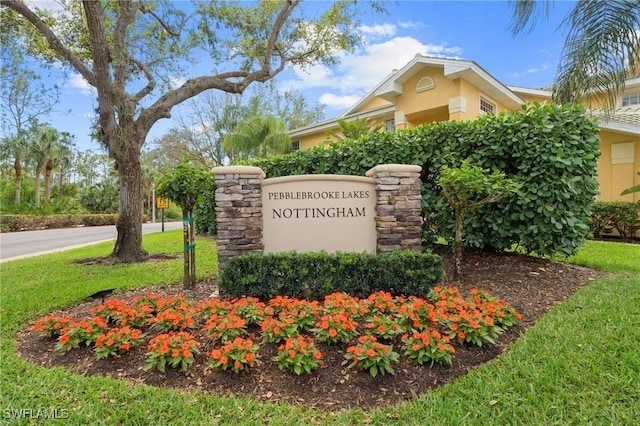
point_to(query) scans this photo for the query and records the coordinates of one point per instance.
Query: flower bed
(376, 330)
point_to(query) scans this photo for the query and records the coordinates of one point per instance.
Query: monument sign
(319, 212)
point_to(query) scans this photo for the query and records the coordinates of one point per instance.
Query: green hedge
(619, 216)
(550, 152)
(315, 275)
(31, 222)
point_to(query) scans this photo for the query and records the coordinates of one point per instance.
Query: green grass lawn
(579, 364)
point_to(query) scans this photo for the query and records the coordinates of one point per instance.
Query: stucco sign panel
(319, 212)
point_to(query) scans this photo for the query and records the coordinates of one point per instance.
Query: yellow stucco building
(436, 89)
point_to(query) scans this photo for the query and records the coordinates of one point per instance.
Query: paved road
(16, 245)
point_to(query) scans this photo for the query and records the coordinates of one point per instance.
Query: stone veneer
(239, 209)
(399, 212)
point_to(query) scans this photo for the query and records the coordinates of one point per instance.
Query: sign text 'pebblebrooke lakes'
(317, 195)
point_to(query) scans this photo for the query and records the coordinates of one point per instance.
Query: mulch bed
(529, 284)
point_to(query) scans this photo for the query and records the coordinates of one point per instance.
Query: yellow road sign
(162, 203)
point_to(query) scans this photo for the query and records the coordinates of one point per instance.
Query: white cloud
(538, 69)
(359, 72)
(378, 30)
(77, 82)
(534, 70)
(411, 25)
(336, 101)
(176, 82)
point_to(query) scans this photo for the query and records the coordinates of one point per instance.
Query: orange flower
(249, 358)
(237, 364)
(371, 352)
(224, 360)
(317, 355)
(333, 332)
(64, 338)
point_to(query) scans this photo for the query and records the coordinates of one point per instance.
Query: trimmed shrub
(13, 223)
(549, 151)
(99, 219)
(619, 216)
(315, 275)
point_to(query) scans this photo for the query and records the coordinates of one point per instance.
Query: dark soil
(531, 285)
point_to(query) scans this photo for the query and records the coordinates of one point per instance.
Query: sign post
(162, 203)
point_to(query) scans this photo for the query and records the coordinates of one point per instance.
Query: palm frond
(601, 51)
(526, 13)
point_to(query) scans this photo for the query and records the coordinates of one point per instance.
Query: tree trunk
(188, 231)
(37, 183)
(18, 168)
(47, 180)
(128, 248)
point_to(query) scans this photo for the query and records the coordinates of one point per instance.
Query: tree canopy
(143, 58)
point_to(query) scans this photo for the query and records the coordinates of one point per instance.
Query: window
(425, 83)
(295, 146)
(390, 125)
(487, 107)
(631, 99)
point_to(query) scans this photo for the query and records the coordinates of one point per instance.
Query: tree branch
(275, 32)
(151, 81)
(144, 9)
(54, 42)
(101, 60)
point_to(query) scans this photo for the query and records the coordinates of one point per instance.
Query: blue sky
(471, 30)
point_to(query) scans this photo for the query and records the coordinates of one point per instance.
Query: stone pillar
(238, 211)
(398, 208)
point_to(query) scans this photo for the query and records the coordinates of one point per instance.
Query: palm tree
(57, 149)
(601, 51)
(41, 150)
(64, 158)
(257, 136)
(354, 129)
(17, 147)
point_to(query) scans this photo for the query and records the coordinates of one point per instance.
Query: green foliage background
(549, 151)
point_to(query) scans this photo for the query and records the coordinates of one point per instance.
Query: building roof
(391, 86)
(622, 120)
